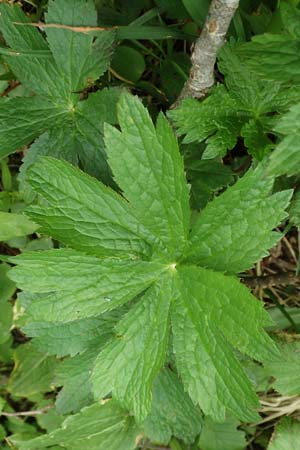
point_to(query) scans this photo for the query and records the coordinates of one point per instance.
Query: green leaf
(150, 32)
(14, 225)
(98, 426)
(285, 369)
(290, 16)
(99, 286)
(57, 75)
(246, 108)
(197, 10)
(129, 63)
(108, 225)
(79, 58)
(129, 363)
(221, 436)
(205, 176)
(7, 290)
(286, 435)
(215, 120)
(17, 132)
(227, 302)
(60, 339)
(286, 157)
(148, 167)
(33, 372)
(50, 419)
(213, 381)
(29, 56)
(129, 248)
(221, 228)
(172, 412)
(174, 72)
(74, 375)
(294, 210)
(272, 56)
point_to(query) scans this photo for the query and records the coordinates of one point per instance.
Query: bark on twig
(26, 413)
(206, 49)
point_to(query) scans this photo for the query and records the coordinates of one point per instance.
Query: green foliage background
(129, 228)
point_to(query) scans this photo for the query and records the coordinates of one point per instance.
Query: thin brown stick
(84, 30)
(206, 49)
(27, 413)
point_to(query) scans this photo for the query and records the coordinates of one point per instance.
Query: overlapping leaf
(286, 157)
(242, 108)
(57, 70)
(132, 239)
(98, 426)
(172, 411)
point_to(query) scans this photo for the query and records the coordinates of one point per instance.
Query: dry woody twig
(206, 49)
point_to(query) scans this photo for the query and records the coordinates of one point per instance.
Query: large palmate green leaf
(140, 248)
(57, 69)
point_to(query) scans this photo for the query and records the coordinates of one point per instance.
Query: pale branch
(206, 48)
(27, 413)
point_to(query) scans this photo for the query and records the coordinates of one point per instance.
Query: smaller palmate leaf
(73, 57)
(243, 217)
(148, 167)
(83, 213)
(173, 412)
(96, 427)
(215, 120)
(57, 76)
(77, 286)
(243, 109)
(79, 140)
(206, 362)
(129, 363)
